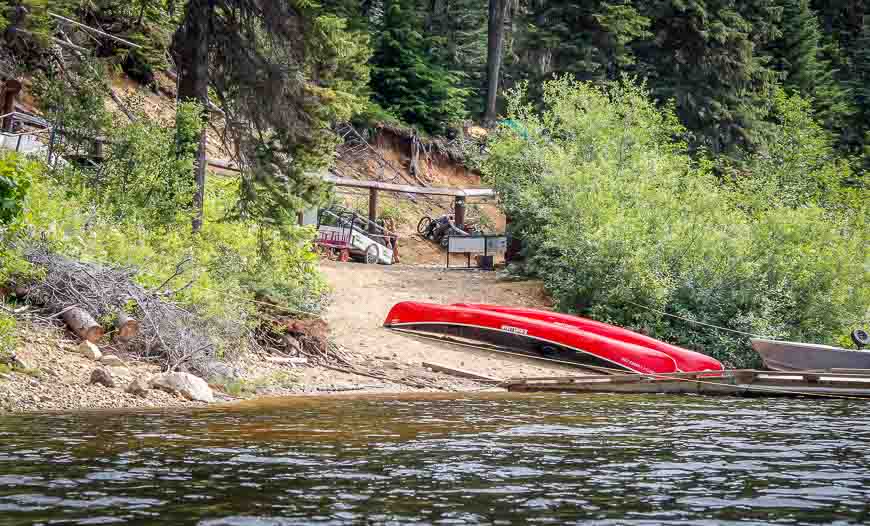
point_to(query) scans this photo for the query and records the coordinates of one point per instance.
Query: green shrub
(223, 269)
(618, 220)
(15, 174)
(8, 339)
(141, 181)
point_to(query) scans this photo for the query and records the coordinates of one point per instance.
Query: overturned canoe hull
(529, 336)
(795, 356)
(687, 361)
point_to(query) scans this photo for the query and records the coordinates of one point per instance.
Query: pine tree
(799, 55)
(406, 80)
(861, 87)
(588, 39)
(282, 74)
(799, 47)
(705, 58)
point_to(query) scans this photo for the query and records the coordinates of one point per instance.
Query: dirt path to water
(363, 294)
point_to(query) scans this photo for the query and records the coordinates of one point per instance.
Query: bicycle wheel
(423, 225)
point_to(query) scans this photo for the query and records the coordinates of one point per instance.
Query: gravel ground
(58, 378)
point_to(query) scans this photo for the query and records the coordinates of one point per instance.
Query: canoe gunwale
(621, 368)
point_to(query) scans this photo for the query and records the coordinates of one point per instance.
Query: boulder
(139, 387)
(90, 351)
(112, 361)
(184, 384)
(102, 377)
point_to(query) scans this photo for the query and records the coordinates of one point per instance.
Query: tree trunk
(83, 324)
(126, 327)
(191, 46)
(495, 36)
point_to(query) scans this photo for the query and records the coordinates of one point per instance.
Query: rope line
(699, 322)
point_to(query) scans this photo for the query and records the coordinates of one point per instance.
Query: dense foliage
(719, 61)
(619, 219)
(726, 183)
(221, 272)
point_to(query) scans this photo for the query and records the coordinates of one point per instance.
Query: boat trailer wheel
(371, 254)
(861, 338)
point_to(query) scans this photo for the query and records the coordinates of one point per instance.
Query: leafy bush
(14, 182)
(618, 220)
(8, 340)
(140, 180)
(222, 271)
(16, 176)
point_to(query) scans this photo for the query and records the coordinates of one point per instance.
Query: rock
(185, 384)
(90, 351)
(214, 371)
(102, 377)
(139, 387)
(112, 361)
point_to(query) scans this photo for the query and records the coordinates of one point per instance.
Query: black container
(486, 262)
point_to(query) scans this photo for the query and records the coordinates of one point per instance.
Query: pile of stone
(114, 374)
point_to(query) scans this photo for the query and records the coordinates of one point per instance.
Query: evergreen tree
(705, 58)
(405, 78)
(282, 74)
(861, 86)
(799, 47)
(588, 39)
(799, 56)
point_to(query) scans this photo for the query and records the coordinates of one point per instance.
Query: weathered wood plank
(461, 373)
(693, 387)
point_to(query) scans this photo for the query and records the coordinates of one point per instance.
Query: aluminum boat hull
(796, 356)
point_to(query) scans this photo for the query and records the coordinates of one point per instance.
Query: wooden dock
(740, 382)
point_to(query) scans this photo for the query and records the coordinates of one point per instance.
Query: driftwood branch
(114, 96)
(179, 269)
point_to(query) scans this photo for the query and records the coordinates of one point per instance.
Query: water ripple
(596, 459)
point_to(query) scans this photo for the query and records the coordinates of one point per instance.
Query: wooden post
(459, 212)
(10, 92)
(373, 209)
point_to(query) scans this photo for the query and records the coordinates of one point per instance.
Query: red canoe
(687, 361)
(529, 336)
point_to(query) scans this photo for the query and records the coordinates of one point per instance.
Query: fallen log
(83, 324)
(126, 327)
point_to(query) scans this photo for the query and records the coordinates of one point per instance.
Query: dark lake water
(493, 459)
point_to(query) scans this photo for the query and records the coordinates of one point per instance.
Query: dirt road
(363, 294)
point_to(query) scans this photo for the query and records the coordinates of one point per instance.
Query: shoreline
(57, 377)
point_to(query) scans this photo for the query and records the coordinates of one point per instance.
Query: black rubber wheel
(371, 254)
(423, 225)
(861, 338)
